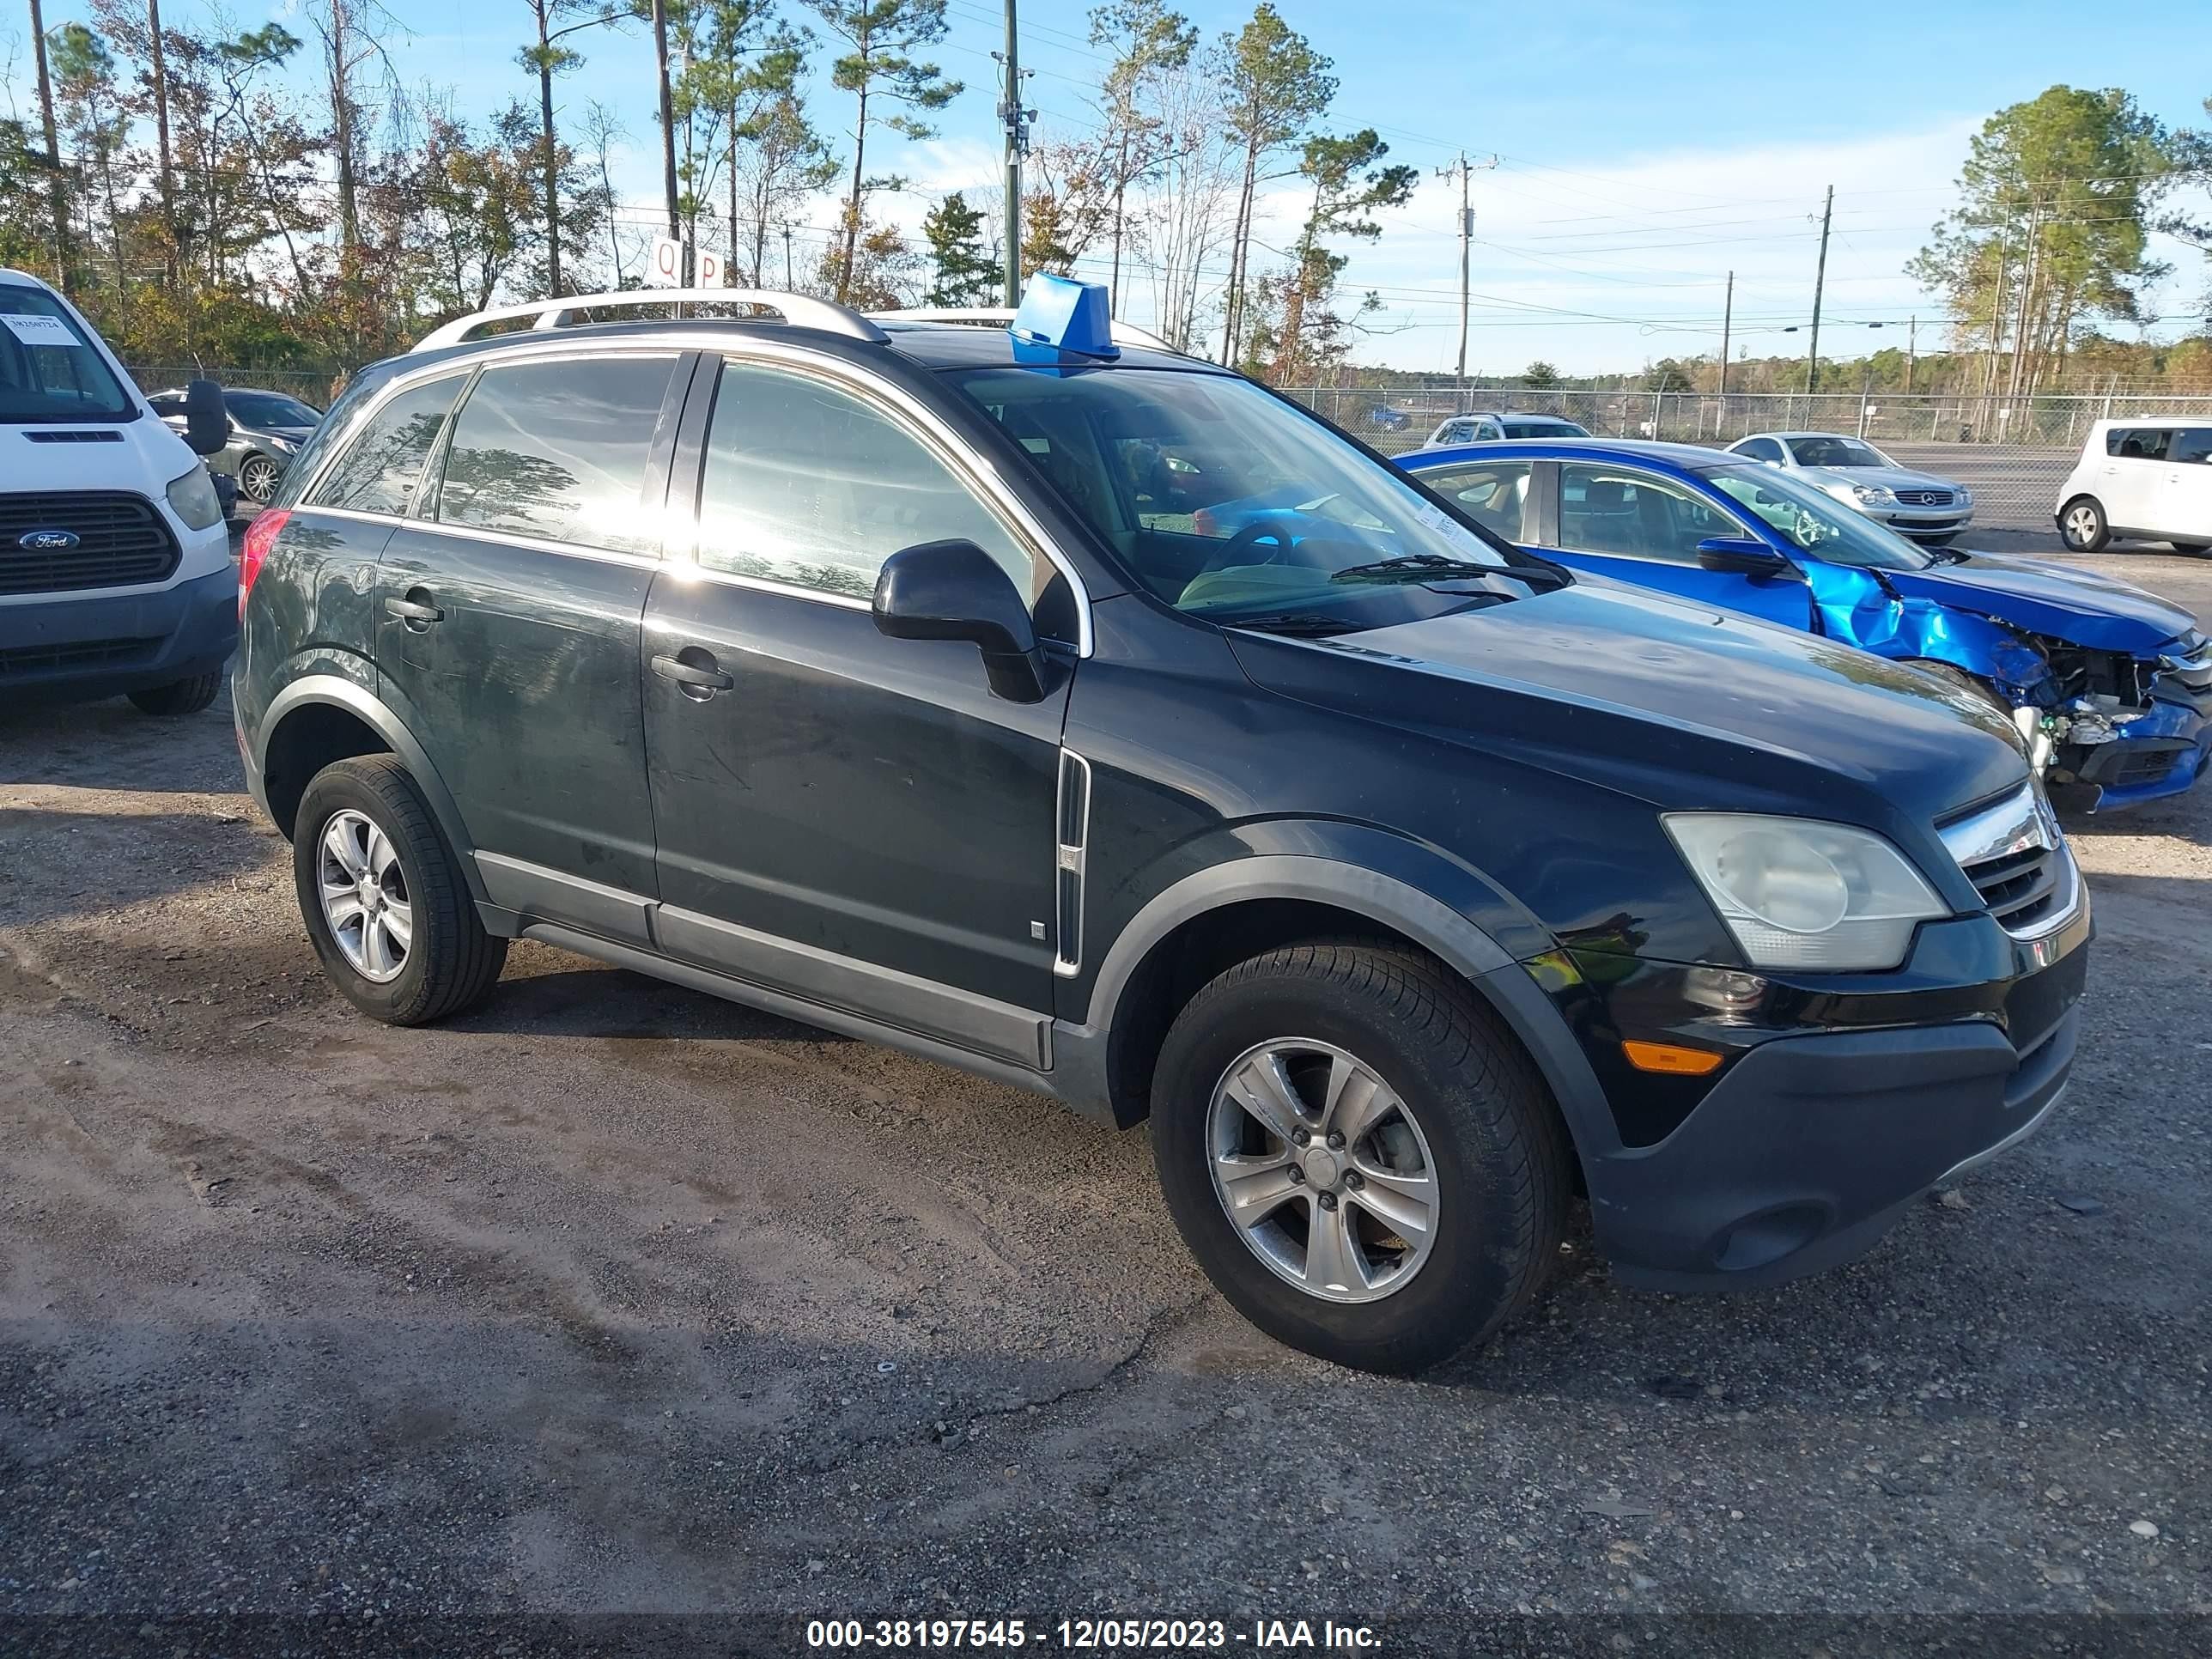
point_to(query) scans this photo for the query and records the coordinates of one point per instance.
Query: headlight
(1800, 894)
(1873, 495)
(193, 496)
(1961, 493)
(282, 446)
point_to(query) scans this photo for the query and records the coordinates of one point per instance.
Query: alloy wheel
(257, 479)
(1322, 1168)
(2081, 526)
(364, 894)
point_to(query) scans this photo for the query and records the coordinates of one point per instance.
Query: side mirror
(953, 590)
(207, 418)
(1740, 556)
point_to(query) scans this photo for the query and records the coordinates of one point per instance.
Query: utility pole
(1728, 319)
(55, 195)
(161, 133)
(1463, 170)
(1016, 121)
(2026, 298)
(667, 120)
(1819, 282)
(787, 282)
(1912, 352)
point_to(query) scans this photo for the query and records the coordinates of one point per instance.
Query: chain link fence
(2014, 453)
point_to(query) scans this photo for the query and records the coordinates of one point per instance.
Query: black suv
(944, 685)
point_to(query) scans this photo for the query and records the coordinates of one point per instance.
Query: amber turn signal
(1668, 1057)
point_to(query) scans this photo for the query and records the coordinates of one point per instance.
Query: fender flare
(1081, 1052)
(333, 691)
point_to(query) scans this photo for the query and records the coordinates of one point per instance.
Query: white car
(2144, 478)
(1921, 505)
(1487, 426)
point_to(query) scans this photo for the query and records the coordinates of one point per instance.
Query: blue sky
(1644, 150)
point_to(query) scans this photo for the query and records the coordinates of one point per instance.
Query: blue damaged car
(2110, 685)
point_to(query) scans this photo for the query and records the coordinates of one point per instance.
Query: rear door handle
(699, 677)
(416, 613)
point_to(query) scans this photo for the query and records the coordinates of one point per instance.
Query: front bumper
(1923, 520)
(2162, 753)
(105, 645)
(1829, 1121)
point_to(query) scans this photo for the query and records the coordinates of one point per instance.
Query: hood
(1886, 477)
(2080, 607)
(148, 456)
(1680, 705)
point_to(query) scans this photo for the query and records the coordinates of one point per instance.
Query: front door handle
(415, 610)
(694, 670)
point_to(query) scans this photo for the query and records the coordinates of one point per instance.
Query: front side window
(806, 485)
(2193, 444)
(1227, 503)
(558, 452)
(380, 470)
(1612, 509)
(49, 369)
(1825, 450)
(1814, 523)
(1494, 494)
(2138, 443)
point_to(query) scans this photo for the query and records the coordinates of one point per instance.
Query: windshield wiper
(1944, 556)
(1295, 621)
(1434, 567)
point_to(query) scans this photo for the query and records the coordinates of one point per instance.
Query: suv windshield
(1227, 503)
(1837, 452)
(1813, 523)
(49, 370)
(269, 409)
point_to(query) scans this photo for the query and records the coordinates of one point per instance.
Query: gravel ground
(612, 1300)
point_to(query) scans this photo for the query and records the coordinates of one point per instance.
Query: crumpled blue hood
(2082, 607)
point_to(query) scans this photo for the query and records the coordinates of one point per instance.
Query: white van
(115, 571)
(2143, 479)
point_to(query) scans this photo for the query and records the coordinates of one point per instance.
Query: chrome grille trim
(2015, 855)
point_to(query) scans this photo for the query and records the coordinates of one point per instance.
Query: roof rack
(1000, 316)
(799, 310)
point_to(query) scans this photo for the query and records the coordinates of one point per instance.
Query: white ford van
(2144, 478)
(115, 570)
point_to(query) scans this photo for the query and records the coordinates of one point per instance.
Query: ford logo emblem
(47, 541)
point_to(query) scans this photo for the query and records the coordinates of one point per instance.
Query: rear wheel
(179, 696)
(2083, 525)
(384, 899)
(1363, 1161)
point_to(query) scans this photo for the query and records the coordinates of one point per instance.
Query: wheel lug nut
(1297, 1176)
(1329, 1200)
(1336, 1141)
(1353, 1181)
(1302, 1137)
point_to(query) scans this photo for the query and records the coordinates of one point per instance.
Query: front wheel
(2083, 525)
(178, 696)
(257, 479)
(384, 899)
(1359, 1157)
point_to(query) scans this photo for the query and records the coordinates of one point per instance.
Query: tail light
(260, 535)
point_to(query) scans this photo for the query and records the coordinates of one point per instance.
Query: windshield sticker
(36, 330)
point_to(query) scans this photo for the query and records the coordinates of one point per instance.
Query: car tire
(2083, 525)
(1467, 1107)
(448, 961)
(179, 696)
(258, 477)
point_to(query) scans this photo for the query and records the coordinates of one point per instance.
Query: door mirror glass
(953, 590)
(207, 421)
(1741, 556)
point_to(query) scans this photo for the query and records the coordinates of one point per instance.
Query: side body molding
(1081, 1052)
(359, 700)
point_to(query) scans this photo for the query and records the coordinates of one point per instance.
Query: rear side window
(2138, 443)
(807, 485)
(2193, 444)
(380, 471)
(558, 452)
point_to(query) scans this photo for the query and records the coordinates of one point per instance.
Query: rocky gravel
(614, 1316)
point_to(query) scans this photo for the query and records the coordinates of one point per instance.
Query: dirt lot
(612, 1298)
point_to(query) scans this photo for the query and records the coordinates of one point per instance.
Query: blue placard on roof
(1065, 314)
